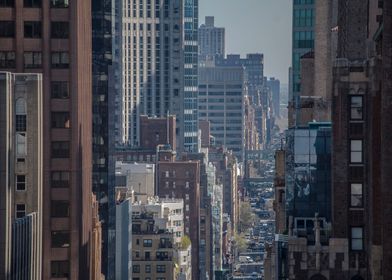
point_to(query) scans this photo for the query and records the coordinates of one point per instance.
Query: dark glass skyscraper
(102, 60)
(303, 42)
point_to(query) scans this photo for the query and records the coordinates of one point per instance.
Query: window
(20, 111)
(60, 149)
(60, 239)
(60, 120)
(32, 59)
(356, 107)
(356, 151)
(21, 149)
(60, 30)
(7, 3)
(32, 3)
(59, 90)
(32, 29)
(20, 123)
(60, 179)
(7, 28)
(147, 243)
(60, 60)
(136, 268)
(147, 268)
(357, 238)
(59, 269)
(20, 210)
(356, 195)
(20, 182)
(161, 268)
(147, 256)
(59, 3)
(7, 60)
(60, 209)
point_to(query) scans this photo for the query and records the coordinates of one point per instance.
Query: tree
(247, 217)
(185, 242)
(240, 243)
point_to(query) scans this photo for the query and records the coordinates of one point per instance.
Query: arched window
(20, 107)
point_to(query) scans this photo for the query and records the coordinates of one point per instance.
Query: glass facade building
(308, 172)
(303, 42)
(102, 24)
(191, 23)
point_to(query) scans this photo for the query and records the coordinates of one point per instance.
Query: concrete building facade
(222, 103)
(21, 150)
(54, 38)
(211, 40)
(159, 70)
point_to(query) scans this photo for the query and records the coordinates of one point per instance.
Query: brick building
(54, 38)
(181, 179)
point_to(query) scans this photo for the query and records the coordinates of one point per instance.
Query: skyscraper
(189, 130)
(222, 103)
(211, 40)
(303, 42)
(104, 124)
(361, 113)
(54, 38)
(21, 175)
(274, 85)
(159, 73)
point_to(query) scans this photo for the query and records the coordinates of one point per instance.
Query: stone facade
(21, 173)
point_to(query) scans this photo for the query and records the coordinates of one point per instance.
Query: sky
(262, 26)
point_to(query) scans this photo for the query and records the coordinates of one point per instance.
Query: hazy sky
(255, 26)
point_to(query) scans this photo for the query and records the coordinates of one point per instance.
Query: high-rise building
(21, 175)
(123, 258)
(159, 70)
(105, 125)
(211, 40)
(181, 180)
(303, 42)
(222, 103)
(188, 135)
(253, 65)
(274, 85)
(254, 82)
(361, 159)
(54, 38)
